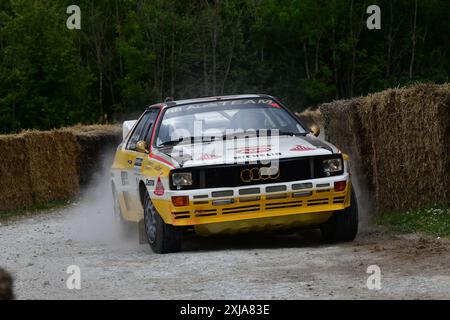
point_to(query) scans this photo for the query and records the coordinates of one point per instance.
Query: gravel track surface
(38, 250)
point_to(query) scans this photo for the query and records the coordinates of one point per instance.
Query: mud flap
(142, 234)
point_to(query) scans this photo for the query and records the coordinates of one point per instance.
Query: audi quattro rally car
(225, 165)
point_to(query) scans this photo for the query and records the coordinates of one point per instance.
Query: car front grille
(230, 175)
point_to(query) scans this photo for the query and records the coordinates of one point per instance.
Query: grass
(433, 220)
(34, 209)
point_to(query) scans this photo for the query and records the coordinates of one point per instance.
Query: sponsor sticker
(159, 189)
(300, 148)
(124, 176)
(225, 103)
(207, 156)
(257, 156)
(275, 105)
(138, 165)
(254, 150)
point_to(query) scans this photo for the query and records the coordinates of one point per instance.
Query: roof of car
(215, 98)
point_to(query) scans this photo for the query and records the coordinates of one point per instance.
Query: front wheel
(343, 225)
(162, 237)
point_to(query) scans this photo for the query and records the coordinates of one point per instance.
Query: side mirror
(315, 130)
(141, 146)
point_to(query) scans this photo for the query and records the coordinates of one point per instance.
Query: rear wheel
(343, 225)
(162, 237)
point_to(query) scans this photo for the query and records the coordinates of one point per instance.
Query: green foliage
(130, 54)
(41, 84)
(34, 209)
(433, 220)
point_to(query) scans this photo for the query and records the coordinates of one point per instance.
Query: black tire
(162, 237)
(126, 229)
(343, 225)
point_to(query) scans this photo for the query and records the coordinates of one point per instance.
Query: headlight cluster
(332, 165)
(182, 179)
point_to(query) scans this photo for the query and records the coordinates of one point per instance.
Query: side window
(143, 129)
(146, 134)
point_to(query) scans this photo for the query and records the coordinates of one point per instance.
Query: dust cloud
(365, 202)
(91, 218)
(363, 195)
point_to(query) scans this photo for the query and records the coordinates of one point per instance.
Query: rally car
(225, 165)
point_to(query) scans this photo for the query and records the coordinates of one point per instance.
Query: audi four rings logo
(258, 174)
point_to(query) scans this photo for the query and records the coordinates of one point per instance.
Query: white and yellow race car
(225, 165)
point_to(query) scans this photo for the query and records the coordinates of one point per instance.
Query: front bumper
(208, 206)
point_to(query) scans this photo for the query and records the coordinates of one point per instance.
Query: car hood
(242, 150)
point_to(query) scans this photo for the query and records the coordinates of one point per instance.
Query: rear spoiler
(126, 127)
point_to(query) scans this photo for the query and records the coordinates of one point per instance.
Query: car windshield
(225, 118)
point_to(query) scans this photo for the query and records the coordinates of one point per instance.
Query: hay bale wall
(15, 186)
(407, 130)
(445, 116)
(38, 167)
(310, 117)
(52, 156)
(94, 143)
(399, 138)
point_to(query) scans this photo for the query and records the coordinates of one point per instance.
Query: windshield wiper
(185, 140)
(170, 143)
(286, 133)
(265, 132)
(292, 134)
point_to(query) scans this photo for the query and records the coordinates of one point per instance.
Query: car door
(133, 159)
